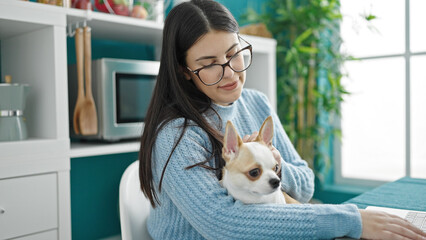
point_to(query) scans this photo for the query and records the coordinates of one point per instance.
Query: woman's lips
(229, 86)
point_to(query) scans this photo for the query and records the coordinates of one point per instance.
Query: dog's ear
(231, 142)
(266, 132)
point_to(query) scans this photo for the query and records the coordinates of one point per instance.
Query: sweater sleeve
(297, 178)
(201, 200)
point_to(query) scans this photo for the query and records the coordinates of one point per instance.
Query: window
(383, 120)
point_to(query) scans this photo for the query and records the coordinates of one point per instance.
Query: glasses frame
(197, 71)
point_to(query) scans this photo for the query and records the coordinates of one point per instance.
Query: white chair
(134, 206)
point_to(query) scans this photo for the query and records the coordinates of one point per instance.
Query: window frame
(339, 179)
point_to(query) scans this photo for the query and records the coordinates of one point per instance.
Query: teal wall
(239, 7)
(94, 195)
(113, 49)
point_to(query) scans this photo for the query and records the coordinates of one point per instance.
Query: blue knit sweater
(195, 206)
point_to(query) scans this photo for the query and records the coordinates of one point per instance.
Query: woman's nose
(228, 72)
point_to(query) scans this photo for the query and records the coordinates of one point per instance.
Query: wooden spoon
(80, 94)
(88, 120)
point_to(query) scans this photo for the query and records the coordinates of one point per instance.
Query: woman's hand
(380, 225)
(250, 138)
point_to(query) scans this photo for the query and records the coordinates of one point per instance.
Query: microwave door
(133, 93)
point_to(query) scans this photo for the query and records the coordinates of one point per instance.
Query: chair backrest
(134, 206)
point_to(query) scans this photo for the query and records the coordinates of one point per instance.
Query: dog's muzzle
(274, 182)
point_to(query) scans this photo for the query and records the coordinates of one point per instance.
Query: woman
(199, 88)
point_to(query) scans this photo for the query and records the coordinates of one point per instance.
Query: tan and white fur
(251, 171)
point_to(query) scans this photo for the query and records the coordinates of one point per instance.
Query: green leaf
(288, 57)
(370, 17)
(304, 49)
(251, 16)
(302, 37)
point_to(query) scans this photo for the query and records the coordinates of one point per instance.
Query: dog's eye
(276, 168)
(254, 172)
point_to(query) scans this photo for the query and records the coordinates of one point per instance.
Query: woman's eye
(236, 54)
(208, 66)
(232, 55)
(254, 172)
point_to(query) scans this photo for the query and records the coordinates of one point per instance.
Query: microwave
(122, 91)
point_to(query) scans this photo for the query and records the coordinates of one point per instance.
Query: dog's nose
(274, 183)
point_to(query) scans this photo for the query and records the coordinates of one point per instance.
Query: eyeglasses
(213, 73)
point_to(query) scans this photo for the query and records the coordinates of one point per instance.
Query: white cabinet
(34, 173)
(49, 235)
(28, 205)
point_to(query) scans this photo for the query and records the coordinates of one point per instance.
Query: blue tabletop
(405, 193)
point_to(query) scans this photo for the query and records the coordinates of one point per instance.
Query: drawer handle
(2, 210)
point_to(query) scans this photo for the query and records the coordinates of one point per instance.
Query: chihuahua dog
(251, 173)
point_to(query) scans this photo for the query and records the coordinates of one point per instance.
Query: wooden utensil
(80, 94)
(88, 120)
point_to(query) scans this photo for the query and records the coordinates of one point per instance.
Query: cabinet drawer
(50, 235)
(28, 205)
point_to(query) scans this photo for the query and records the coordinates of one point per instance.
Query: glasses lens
(241, 61)
(211, 74)
(238, 63)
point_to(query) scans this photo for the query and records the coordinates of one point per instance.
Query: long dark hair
(174, 96)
